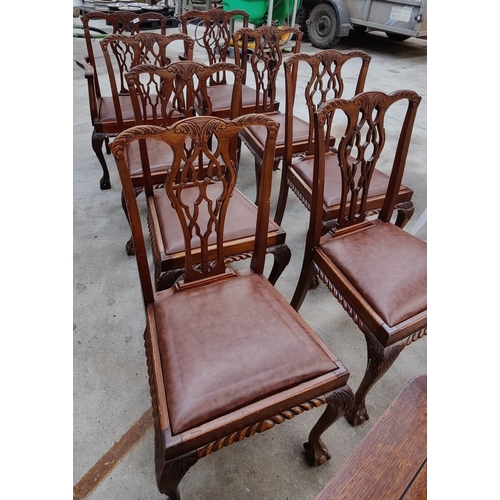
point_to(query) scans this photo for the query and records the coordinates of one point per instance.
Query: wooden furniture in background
(101, 106)
(375, 269)
(227, 356)
(214, 33)
(391, 461)
(326, 81)
(122, 53)
(261, 61)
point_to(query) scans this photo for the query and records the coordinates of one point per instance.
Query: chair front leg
(380, 359)
(172, 473)
(339, 402)
(97, 140)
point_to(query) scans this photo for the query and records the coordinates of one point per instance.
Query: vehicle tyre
(323, 26)
(397, 37)
(301, 21)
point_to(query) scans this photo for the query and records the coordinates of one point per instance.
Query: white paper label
(401, 13)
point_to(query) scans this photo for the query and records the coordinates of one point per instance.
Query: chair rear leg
(380, 359)
(282, 255)
(338, 403)
(307, 275)
(97, 140)
(282, 199)
(129, 246)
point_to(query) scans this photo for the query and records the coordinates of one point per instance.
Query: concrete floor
(111, 393)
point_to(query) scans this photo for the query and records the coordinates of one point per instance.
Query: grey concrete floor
(110, 384)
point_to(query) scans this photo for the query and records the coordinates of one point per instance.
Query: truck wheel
(301, 20)
(397, 37)
(323, 26)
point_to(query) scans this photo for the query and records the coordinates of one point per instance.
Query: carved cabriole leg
(172, 473)
(339, 402)
(97, 140)
(282, 255)
(405, 211)
(380, 359)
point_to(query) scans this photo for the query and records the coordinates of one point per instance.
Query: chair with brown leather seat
(214, 32)
(259, 53)
(227, 356)
(101, 106)
(326, 73)
(184, 91)
(297, 170)
(375, 269)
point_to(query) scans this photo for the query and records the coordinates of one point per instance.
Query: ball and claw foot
(129, 247)
(316, 455)
(357, 415)
(105, 183)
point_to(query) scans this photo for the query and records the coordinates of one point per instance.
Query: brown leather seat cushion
(220, 95)
(107, 109)
(228, 347)
(160, 157)
(387, 265)
(240, 219)
(378, 183)
(300, 130)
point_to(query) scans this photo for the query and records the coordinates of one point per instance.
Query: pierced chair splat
(376, 270)
(219, 331)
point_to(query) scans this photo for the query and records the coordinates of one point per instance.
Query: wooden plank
(390, 462)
